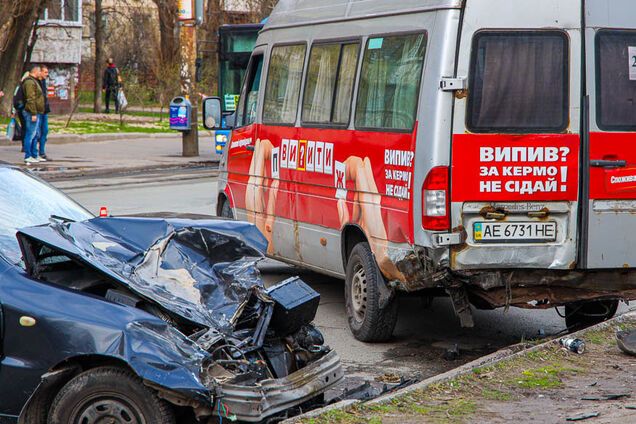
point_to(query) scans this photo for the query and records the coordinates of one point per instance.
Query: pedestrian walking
(33, 108)
(16, 111)
(44, 117)
(111, 83)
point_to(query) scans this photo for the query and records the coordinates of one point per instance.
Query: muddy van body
(477, 148)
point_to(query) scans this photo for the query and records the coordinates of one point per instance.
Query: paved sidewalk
(115, 154)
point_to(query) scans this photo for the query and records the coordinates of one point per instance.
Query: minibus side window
(616, 80)
(248, 103)
(329, 86)
(519, 82)
(390, 82)
(283, 84)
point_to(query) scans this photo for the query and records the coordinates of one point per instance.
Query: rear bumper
(255, 403)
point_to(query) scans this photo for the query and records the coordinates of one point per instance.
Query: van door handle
(608, 163)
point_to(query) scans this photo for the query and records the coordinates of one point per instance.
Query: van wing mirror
(212, 113)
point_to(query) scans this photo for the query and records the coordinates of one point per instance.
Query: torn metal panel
(201, 270)
(419, 267)
(541, 289)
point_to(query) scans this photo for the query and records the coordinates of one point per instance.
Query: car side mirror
(212, 113)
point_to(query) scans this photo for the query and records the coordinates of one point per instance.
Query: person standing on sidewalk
(110, 84)
(33, 108)
(44, 118)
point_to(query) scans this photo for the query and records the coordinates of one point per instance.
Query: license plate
(514, 232)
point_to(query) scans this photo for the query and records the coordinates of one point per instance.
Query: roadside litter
(573, 345)
(582, 417)
(626, 341)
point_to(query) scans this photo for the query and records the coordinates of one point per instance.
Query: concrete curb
(488, 360)
(77, 138)
(93, 138)
(93, 173)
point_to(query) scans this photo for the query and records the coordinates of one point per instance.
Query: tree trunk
(167, 10)
(99, 55)
(34, 36)
(12, 53)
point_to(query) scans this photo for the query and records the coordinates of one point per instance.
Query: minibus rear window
(390, 82)
(616, 80)
(283, 84)
(519, 82)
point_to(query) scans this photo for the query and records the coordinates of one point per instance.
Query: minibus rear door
(515, 142)
(611, 83)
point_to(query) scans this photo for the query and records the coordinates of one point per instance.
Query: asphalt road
(423, 332)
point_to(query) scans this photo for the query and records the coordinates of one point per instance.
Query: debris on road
(607, 397)
(389, 378)
(626, 341)
(452, 353)
(573, 345)
(582, 417)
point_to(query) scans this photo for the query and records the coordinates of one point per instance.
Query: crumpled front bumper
(255, 403)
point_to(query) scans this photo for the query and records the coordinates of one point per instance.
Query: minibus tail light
(435, 200)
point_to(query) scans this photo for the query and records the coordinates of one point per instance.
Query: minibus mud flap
(456, 289)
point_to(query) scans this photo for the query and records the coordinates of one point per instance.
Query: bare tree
(169, 43)
(17, 19)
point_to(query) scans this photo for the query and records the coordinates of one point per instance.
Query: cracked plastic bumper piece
(255, 403)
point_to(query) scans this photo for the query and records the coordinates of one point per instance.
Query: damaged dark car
(142, 320)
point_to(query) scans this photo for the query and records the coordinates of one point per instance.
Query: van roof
(303, 12)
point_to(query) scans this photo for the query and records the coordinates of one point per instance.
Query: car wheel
(585, 314)
(226, 210)
(367, 320)
(108, 395)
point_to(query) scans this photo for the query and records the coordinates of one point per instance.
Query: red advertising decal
(620, 180)
(495, 167)
(613, 183)
(325, 177)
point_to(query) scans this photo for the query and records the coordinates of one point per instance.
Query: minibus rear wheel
(368, 322)
(581, 315)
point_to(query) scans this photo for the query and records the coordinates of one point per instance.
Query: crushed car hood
(202, 271)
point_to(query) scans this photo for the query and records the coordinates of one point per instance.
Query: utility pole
(187, 42)
(188, 11)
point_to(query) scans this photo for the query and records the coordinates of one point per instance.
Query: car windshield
(25, 202)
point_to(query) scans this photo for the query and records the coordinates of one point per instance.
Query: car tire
(581, 315)
(225, 210)
(367, 320)
(109, 394)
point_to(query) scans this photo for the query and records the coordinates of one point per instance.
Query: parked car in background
(145, 320)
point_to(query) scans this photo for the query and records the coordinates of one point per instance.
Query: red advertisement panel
(613, 183)
(327, 177)
(496, 167)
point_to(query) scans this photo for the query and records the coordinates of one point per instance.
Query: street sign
(191, 10)
(186, 10)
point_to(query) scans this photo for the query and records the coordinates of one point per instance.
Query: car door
(515, 141)
(240, 150)
(611, 84)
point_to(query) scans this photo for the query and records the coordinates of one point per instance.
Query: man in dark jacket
(110, 84)
(33, 108)
(44, 118)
